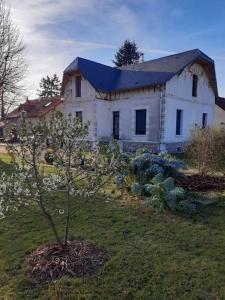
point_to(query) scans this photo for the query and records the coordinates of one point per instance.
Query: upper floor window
(140, 121)
(194, 85)
(78, 86)
(204, 120)
(179, 121)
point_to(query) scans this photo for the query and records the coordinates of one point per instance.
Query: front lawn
(151, 256)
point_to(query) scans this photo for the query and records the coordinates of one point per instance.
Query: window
(1, 132)
(47, 104)
(179, 121)
(23, 114)
(194, 85)
(140, 121)
(116, 125)
(78, 86)
(79, 116)
(204, 120)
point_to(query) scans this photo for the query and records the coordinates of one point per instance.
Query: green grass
(152, 256)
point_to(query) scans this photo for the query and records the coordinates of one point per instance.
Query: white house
(152, 104)
(220, 112)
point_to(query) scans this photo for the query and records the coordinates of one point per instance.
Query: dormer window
(78, 86)
(47, 104)
(23, 114)
(194, 85)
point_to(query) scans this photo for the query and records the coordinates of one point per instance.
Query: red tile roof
(35, 108)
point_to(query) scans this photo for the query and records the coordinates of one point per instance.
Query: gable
(181, 85)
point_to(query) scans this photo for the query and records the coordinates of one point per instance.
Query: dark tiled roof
(220, 102)
(35, 108)
(158, 71)
(171, 63)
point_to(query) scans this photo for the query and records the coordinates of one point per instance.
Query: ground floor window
(140, 121)
(1, 132)
(204, 120)
(116, 125)
(79, 116)
(179, 121)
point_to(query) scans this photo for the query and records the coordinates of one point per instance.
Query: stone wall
(132, 146)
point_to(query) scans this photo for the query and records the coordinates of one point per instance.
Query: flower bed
(200, 183)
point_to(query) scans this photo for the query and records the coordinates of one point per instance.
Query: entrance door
(116, 125)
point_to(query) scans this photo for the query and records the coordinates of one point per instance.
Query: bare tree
(12, 64)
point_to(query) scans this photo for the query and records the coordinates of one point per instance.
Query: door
(116, 125)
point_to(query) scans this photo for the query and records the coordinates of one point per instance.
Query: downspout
(161, 118)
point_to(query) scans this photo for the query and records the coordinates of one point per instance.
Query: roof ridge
(162, 57)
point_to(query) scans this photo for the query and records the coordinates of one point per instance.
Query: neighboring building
(220, 112)
(33, 111)
(153, 104)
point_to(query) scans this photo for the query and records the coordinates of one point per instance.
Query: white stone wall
(179, 96)
(87, 90)
(126, 104)
(85, 103)
(219, 117)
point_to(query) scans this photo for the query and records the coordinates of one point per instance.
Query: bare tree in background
(12, 64)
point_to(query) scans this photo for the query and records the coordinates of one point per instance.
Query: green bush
(142, 167)
(151, 177)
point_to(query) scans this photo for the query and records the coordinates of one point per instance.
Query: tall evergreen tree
(127, 54)
(49, 86)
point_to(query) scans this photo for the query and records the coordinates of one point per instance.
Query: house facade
(153, 104)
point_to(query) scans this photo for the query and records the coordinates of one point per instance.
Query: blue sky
(56, 31)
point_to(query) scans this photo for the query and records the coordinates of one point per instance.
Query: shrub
(142, 167)
(151, 177)
(164, 194)
(206, 149)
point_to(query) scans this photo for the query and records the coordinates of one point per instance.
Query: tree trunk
(67, 220)
(2, 104)
(68, 202)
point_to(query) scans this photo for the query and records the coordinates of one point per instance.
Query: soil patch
(49, 262)
(201, 183)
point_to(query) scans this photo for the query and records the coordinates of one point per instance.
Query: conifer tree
(49, 86)
(127, 54)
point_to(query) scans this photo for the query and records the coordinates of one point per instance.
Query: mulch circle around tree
(198, 183)
(49, 262)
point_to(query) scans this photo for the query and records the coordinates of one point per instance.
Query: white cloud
(51, 44)
(56, 31)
